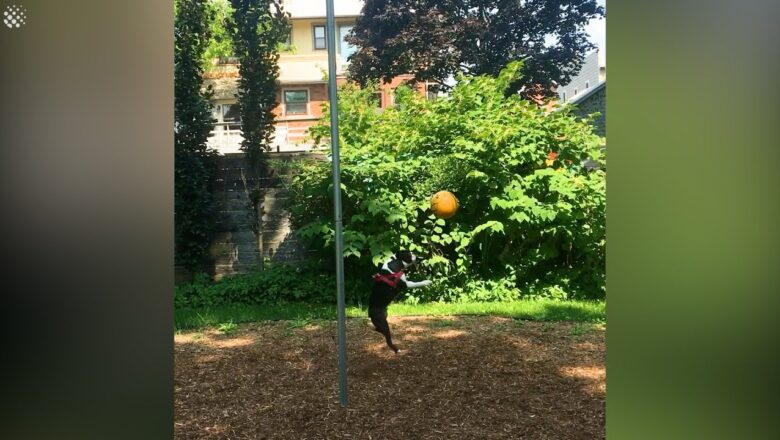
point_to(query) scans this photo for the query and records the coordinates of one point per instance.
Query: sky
(597, 33)
(597, 30)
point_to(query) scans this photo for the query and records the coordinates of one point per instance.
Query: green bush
(531, 223)
(276, 284)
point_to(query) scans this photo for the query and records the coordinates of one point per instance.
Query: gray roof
(584, 96)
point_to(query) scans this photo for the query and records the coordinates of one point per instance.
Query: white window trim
(308, 102)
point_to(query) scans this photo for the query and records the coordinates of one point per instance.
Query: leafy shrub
(276, 284)
(532, 217)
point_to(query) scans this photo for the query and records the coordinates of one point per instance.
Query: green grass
(578, 330)
(227, 328)
(534, 310)
(443, 323)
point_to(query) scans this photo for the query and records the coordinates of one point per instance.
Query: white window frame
(308, 101)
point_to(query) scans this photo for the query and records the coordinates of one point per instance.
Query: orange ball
(444, 204)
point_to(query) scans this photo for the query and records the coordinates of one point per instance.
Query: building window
(392, 100)
(564, 96)
(231, 114)
(345, 49)
(587, 84)
(431, 94)
(228, 116)
(296, 102)
(319, 37)
(575, 92)
(378, 99)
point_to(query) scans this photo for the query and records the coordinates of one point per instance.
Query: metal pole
(334, 139)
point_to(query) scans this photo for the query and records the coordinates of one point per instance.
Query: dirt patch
(464, 378)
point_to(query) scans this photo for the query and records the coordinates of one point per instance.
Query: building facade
(593, 101)
(302, 85)
(587, 92)
(592, 73)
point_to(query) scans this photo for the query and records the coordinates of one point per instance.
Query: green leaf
(475, 174)
(492, 226)
(437, 260)
(396, 217)
(519, 217)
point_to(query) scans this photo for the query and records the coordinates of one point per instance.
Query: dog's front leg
(415, 284)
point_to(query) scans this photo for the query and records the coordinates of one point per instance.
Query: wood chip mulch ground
(456, 378)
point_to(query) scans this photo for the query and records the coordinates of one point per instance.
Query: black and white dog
(387, 284)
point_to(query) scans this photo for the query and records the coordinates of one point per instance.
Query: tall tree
(433, 39)
(193, 160)
(258, 27)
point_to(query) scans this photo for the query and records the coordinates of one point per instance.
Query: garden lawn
(534, 310)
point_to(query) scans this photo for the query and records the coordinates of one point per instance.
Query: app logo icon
(14, 16)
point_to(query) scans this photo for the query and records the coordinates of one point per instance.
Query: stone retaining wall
(237, 247)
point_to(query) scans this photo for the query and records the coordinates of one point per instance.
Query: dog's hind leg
(377, 316)
(379, 319)
(384, 328)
